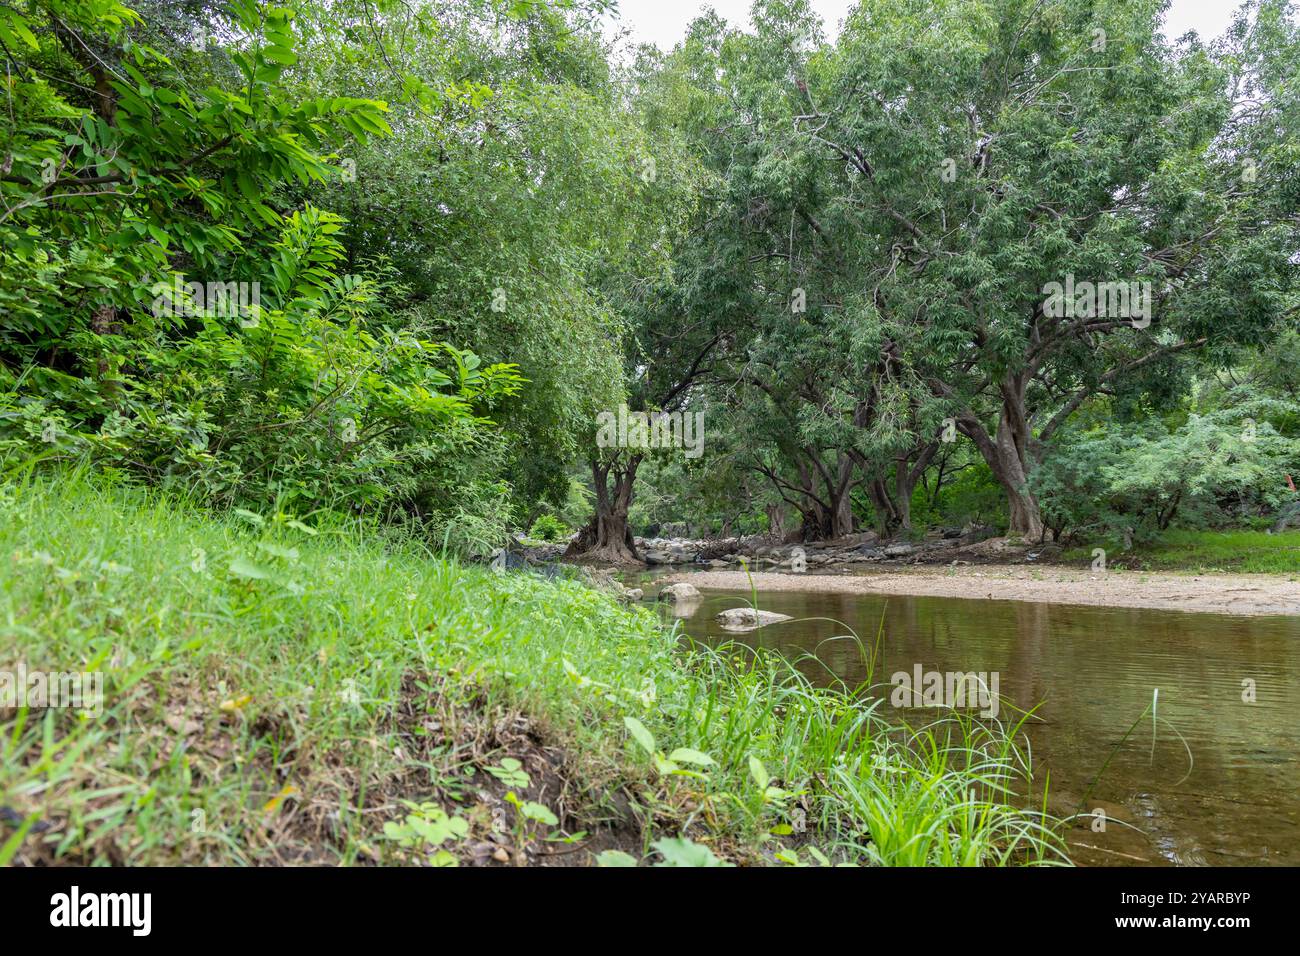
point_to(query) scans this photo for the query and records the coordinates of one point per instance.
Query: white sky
(663, 22)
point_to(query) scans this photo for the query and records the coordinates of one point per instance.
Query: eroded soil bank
(1244, 594)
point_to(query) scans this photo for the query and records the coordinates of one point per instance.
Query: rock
(604, 580)
(899, 551)
(747, 619)
(657, 557)
(680, 592)
(853, 540)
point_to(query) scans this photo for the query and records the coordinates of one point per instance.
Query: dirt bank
(1246, 594)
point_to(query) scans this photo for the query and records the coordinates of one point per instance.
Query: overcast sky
(663, 22)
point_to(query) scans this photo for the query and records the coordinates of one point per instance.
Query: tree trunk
(842, 518)
(1011, 471)
(776, 521)
(832, 516)
(607, 537)
(907, 474)
(894, 507)
(887, 520)
(1007, 455)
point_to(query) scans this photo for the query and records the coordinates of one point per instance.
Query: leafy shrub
(1139, 479)
(974, 496)
(319, 396)
(549, 528)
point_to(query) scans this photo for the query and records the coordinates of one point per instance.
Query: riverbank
(251, 690)
(1252, 594)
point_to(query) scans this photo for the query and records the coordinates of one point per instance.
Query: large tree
(989, 149)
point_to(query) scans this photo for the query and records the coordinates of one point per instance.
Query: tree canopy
(401, 258)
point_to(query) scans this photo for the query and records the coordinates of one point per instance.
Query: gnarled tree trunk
(1007, 455)
(829, 515)
(607, 537)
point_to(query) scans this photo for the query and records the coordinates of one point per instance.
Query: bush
(549, 528)
(1137, 480)
(319, 395)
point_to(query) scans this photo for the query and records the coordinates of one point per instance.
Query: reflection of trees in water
(1093, 670)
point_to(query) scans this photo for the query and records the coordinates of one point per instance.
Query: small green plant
(425, 828)
(679, 851)
(671, 764)
(530, 818)
(511, 773)
(790, 857)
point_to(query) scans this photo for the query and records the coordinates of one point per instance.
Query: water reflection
(1094, 670)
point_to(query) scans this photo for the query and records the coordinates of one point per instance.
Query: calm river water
(1093, 670)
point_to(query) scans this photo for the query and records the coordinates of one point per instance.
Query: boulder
(680, 592)
(747, 619)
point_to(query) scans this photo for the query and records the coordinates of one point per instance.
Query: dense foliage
(400, 259)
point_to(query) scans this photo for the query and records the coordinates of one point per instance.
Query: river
(1228, 692)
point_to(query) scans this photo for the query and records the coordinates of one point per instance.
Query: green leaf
(687, 755)
(665, 766)
(244, 568)
(615, 858)
(287, 554)
(539, 812)
(640, 734)
(10, 848)
(677, 851)
(280, 54)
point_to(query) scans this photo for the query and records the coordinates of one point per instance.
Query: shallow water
(1236, 801)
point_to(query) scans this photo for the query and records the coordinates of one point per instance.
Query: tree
(990, 149)
(166, 308)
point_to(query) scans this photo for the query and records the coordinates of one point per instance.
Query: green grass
(277, 696)
(1254, 552)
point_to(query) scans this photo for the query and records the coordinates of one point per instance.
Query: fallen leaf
(237, 703)
(288, 790)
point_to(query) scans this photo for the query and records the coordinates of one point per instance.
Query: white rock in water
(680, 592)
(747, 619)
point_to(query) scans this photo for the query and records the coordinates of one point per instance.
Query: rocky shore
(762, 553)
(954, 546)
(1234, 594)
(971, 563)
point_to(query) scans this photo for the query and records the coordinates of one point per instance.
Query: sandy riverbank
(1244, 594)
